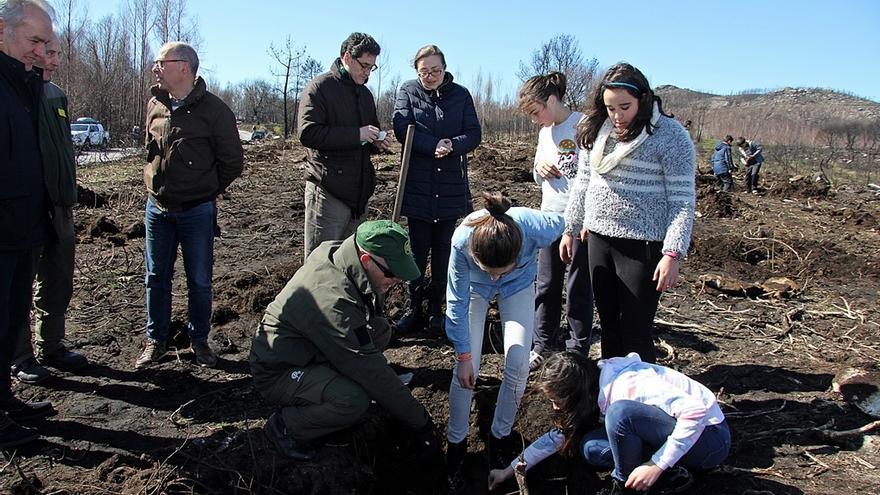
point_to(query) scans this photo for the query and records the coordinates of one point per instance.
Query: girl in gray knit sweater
(633, 203)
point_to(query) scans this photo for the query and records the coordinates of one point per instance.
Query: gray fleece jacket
(648, 196)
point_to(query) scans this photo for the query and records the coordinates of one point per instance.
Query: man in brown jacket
(193, 154)
(338, 123)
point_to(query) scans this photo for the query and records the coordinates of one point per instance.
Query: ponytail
(497, 239)
(538, 89)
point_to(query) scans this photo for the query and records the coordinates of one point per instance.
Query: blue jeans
(634, 431)
(193, 231)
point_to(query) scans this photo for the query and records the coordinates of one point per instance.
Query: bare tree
(562, 53)
(174, 24)
(289, 58)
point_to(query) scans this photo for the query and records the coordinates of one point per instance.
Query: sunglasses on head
(384, 269)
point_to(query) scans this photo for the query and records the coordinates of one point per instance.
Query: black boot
(503, 450)
(413, 318)
(455, 452)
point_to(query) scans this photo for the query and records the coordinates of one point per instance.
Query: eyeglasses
(366, 66)
(433, 72)
(385, 270)
(161, 63)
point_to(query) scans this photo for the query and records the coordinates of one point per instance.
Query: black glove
(425, 444)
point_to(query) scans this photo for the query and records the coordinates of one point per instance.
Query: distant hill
(785, 115)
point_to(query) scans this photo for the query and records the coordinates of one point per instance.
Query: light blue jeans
(193, 231)
(517, 323)
(634, 431)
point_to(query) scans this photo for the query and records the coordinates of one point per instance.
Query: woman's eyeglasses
(433, 72)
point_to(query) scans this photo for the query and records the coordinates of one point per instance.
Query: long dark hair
(620, 76)
(496, 239)
(571, 381)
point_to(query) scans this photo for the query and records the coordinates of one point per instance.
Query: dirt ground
(178, 428)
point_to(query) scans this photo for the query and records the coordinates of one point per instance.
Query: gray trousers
(54, 265)
(327, 218)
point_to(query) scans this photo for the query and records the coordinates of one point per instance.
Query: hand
(547, 170)
(585, 234)
(385, 143)
(369, 133)
(466, 375)
(565, 248)
(666, 273)
(498, 476)
(444, 147)
(643, 477)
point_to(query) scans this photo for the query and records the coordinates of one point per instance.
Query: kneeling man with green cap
(317, 352)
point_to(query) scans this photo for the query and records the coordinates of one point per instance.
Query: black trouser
(436, 238)
(16, 280)
(724, 181)
(626, 297)
(752, 177)
(578, 298)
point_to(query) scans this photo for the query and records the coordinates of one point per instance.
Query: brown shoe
(153, 352)
(204, 355)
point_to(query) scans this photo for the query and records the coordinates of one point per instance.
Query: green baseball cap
(390, 241)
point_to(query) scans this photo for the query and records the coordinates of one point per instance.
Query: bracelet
(464, 356)
(671, 254)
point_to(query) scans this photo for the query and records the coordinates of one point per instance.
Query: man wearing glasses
(338, 123)
(193, 154)
(317, 353)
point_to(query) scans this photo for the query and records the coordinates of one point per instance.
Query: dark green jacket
(329, 314)
(59, 160)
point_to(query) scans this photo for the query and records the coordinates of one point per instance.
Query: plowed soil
(178, 428)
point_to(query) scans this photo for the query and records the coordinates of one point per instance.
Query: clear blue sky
(717, 47)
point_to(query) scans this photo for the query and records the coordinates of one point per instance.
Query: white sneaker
(535, 361)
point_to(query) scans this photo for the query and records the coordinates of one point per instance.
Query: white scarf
(604, 164)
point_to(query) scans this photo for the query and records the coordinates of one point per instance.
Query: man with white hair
(193, 154)
(25, 29)
(56, 259)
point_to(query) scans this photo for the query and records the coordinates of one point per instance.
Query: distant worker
(436, 193)
(54, 286)
(722, 164)
(193, 154)
(752, 156)
(338, 123)
(317, 353)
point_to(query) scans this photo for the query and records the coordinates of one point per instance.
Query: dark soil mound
(714, 203)
(90, 199)
(799, 187)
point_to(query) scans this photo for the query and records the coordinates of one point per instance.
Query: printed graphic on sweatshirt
(567, 161)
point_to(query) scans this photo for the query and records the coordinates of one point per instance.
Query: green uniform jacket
(328, 313)
(59, 162)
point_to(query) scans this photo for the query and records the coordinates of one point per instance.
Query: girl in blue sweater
(633, 203)
(494, 254)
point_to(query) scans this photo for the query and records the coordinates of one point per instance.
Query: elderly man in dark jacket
(338, 123)
(54, 286)
(437, 192)
(25, 29)
(317, 352)
(193, 154)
